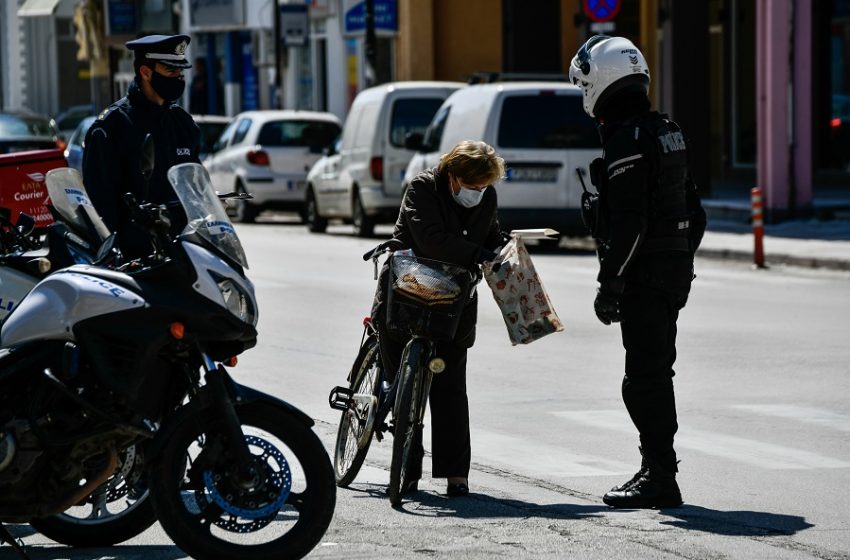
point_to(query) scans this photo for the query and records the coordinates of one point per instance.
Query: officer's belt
(661, 244)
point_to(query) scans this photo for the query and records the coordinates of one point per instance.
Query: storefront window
(743, 120)
(832, 88)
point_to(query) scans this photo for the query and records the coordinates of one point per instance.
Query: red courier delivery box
(22, 186)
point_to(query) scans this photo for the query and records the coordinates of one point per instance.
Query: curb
(778, 258)
(775, 259)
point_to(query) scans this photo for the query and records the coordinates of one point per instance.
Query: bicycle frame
(404, 391)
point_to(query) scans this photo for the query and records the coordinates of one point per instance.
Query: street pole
(371, 43)
(278, 75)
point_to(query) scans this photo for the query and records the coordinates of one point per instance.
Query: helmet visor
(582, 58)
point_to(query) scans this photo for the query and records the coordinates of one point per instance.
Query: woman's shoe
(411, 487)
(456, 490)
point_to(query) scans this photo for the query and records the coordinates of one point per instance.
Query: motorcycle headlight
(236, 300)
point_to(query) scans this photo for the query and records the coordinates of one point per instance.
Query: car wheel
(315, 223)
(364, 225)
(243, 211)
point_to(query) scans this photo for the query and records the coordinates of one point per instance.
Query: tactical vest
(676, 218)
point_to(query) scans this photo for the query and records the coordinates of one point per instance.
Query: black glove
(607, 302)
(485, 255)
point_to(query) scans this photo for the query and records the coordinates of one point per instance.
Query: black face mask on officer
(169, 89)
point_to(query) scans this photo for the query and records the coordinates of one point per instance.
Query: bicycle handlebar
(383, 247)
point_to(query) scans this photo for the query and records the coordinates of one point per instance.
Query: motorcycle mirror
(25, 224)
(105, 249)
(148, 158)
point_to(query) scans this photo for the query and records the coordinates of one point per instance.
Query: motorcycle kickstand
(6, 536)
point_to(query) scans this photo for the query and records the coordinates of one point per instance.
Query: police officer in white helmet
(648, 223)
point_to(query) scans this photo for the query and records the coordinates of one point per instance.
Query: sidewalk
(809, 243)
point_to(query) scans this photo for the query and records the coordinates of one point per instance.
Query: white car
(541, 130)
(267, 154)
(359, 181)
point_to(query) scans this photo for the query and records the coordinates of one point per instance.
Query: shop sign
(386, 16)
(216, 13)
(294, 25)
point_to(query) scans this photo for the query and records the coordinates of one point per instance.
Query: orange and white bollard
(758, 227)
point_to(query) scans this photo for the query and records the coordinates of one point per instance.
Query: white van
(541, 130)
(362, 182)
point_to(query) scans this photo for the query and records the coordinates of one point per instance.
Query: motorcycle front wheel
(116, 511)
(207, 513)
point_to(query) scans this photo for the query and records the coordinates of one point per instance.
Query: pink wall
(784, 114)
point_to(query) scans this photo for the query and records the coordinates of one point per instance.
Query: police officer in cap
(648, 224)
(112, 158)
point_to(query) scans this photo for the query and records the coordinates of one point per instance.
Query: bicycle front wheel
(409, 401)
(356, 426)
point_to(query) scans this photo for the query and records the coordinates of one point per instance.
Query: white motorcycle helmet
(605, 65)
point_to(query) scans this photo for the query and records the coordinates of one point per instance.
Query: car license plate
(533, 174)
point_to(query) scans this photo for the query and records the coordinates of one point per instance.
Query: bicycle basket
(425, 297)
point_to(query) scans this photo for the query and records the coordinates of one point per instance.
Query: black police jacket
(112, 160)
(643, 198)
(434, 226)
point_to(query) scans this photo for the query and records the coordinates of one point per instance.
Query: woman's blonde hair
(473, 163)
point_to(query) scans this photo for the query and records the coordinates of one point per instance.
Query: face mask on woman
(467, 197)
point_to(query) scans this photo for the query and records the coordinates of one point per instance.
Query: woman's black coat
(436, 227)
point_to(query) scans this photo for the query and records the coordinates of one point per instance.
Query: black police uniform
(652, 225)
(112, 157)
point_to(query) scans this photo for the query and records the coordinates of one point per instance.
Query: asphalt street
(762, 384)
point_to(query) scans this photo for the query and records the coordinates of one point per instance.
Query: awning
(34, 8)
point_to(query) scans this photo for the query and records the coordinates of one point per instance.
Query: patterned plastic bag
(520, 295)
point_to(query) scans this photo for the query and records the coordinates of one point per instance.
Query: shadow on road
(60, 552)
(478, 506)
(735, 523)
(689, 517)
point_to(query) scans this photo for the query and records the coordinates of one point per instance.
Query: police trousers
(656, 290)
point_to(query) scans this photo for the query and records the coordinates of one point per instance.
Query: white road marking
(806, 414)
(753, 452)
(539, 458)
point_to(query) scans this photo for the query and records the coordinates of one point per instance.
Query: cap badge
(181, 48)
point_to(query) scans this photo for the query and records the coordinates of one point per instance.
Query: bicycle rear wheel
(407, 414)
(356, 426)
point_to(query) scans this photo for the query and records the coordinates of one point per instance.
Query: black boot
(652, 487)
(638, 475)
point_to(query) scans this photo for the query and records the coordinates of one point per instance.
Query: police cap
(165, 49)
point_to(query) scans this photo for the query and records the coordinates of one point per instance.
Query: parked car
(268, 154)
(211, 128)
(22, 131)
(360, 181)
(541, 130)
(77, 143)
(68, 120)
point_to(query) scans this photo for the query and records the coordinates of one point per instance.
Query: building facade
(762, 87)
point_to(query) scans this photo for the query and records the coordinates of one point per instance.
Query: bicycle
(424, 301)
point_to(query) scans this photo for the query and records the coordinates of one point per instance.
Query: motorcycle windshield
(204, 210)
(70, 199)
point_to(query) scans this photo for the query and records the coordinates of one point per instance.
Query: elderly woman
(449, 214)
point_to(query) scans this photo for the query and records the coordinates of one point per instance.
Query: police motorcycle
(119, 509)
(94, 361)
